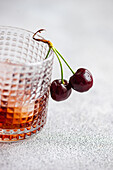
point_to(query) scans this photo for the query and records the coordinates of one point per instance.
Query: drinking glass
(25, 77)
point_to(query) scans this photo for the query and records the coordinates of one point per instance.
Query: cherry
(82, 80)
(60, 91)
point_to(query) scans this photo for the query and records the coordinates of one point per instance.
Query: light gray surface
(79, 132)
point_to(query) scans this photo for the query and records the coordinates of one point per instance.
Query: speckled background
(79, 132)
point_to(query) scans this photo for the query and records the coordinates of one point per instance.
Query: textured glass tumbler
(24, 84)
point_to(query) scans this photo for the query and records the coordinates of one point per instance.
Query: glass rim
(25, 64)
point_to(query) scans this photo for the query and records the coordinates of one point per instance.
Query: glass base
(14, 135)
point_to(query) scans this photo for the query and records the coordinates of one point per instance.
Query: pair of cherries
(80, 81)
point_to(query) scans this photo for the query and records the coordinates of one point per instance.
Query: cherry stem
(65, 61)
(48, 52)
(60, 65)
(41, 38)
(55, 51)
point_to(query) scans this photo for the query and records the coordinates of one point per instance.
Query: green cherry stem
(52, 47)
(48, 52)
(60, 65)
(65, 61)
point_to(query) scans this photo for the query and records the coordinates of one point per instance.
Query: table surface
(79, 131)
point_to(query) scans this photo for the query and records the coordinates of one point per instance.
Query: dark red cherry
(60, 91)
(82, 80)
